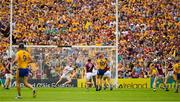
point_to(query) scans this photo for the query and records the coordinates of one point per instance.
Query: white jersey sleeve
(67, 70)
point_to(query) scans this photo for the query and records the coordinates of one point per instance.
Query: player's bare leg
(177, 86)
(88, 84)
(110, 83)
(18, 86)
(177, 83)
(165, 82)
(100, 82)
(94, 80)
(105, 83)
(97, 82)
(26, 84)
(7, 83)
(58, 81)
(67, 82)
(154, 84)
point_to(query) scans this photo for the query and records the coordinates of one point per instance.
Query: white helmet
(155, 60)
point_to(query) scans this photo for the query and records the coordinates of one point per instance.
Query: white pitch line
(91, 101)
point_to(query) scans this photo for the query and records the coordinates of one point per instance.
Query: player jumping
(23, 58)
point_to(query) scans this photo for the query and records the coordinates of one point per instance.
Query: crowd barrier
(80, 83)
(124, 83)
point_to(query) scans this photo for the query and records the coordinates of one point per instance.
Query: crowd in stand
(64, 22)
(149, 29)
(4, 20)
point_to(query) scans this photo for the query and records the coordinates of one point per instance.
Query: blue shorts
(178, 76)
(100, 72)
(23, 72)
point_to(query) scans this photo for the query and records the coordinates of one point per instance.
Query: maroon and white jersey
(169, 67)
(159, 69)
(89, 67)
(7, 68)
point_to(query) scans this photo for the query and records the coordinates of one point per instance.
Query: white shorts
(94, 73)
(107, 74)
(65, 76)
(89, 75)
(159, 77)
(170, 73)
(8, 76)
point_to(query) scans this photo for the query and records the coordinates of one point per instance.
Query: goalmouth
(58, 56)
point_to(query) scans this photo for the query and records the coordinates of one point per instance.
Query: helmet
(21, 46)
(89, 60)
(155, 60)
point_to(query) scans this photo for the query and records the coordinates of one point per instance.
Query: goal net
(49, 61)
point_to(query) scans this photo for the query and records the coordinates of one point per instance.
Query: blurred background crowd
(149, 29)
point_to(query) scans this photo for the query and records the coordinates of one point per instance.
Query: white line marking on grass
(93, 101)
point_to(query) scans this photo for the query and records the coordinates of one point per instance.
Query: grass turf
(84, 95)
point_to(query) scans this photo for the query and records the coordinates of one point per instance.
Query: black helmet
(21, 46)
(89, 60)
(9, 58)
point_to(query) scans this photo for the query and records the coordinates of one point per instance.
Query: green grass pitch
(84, 95)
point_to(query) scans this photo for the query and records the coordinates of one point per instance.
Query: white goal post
(117, 33)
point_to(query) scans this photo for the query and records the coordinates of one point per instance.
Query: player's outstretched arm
(30, 59)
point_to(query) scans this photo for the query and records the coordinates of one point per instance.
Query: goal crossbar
(55, 46)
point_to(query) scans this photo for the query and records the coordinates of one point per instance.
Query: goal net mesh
(50, 61)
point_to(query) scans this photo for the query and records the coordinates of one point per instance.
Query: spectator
(149, 29)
